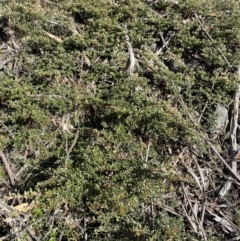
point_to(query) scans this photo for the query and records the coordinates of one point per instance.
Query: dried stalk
(165, 42)
(223, 161)
(196, 225)
(210, 37)
(148, 148)
(233, 136)
(8, 168)
(132, 59)
(7, 129)
(72, 146)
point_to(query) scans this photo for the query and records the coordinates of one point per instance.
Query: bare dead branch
(132, 59)
(203, 209)
(148, 148)
(165, 42)
(233, 136)
(196, 225)
(210, 37)
(73, 144)
(223, 161)
(9, 131)
(32, 233)
(4, 207)
(190, 170)
(234, 239)
(11, 175)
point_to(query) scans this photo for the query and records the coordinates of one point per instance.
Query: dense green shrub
(101, 144)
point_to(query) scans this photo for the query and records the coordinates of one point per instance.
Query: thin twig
(165, 42)
(5, 207)
(233, 136)
(2, 64)
(203, 210)
(210, 37)
(200, 173)
(223, 161)
(52, 22)
(8, 168)
(190, 170)
(61, 235)
(47, 96)
(132, 59)
(50, 228)
(195, 223)
(234, 120)
(148, 148)
(152, 213)
(171, 210)
(9, 131)
(31, 233)
(73, 144)
(234, 239)
(204, 108)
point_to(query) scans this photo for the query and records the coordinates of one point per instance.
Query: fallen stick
(8, 168)
(224, 162)
(210, 37)
(233, 137)
(132, 59)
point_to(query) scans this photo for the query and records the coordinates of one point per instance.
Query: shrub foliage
(94, 148)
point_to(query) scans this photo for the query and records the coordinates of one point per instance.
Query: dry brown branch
(55, 38)
(233, 136)
(16, 47)
(26, 165)
(165, 42)
(196, 225)
(75, 27)
(11, 175)
(50, 228)
(152, 212)
(195, 211)
(203, 206)
(234, 239)
(15, 221)
(4, 207)
(203, 210)
(190, 170)
(72, 146)
(171, 210)
(190, 220)
(47, 96)
(223, 161)
(234, 120)
(132, 59)
(3, 63)
(226, 225)
(32, 233)
(60, 236)
(148, 148)
(205, 106)
(233, 226)
(210, 37)
(201, 174)
(7, 129)
(181, 102)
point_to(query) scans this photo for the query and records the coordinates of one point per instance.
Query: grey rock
(220, 119)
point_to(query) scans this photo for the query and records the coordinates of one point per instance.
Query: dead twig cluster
(233, 138)
(202, 206)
